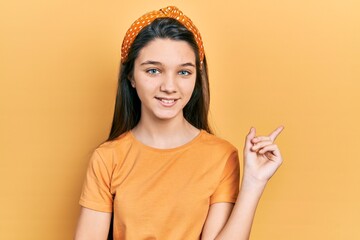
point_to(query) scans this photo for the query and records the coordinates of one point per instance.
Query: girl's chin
(168, 115)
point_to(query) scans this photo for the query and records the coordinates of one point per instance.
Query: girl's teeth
(167, 101)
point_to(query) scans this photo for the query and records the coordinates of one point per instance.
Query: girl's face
(164, 78)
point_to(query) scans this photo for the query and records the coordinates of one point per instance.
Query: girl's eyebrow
(188, 64)
(150, 62)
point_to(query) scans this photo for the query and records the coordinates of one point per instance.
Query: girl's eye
(153, 71)
(184, 72)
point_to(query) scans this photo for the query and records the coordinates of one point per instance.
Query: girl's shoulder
(217, 143)
(114, 148)
(123, 139)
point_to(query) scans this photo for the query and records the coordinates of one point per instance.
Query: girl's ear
(132, 80)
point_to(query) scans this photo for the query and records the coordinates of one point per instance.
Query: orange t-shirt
(160, 193)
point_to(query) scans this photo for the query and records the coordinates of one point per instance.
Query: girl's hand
(261, 156)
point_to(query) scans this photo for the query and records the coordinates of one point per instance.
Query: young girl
(162, 174)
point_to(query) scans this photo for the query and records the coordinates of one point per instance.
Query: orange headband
(147, 19)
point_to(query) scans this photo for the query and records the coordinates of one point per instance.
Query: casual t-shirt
(160, 193)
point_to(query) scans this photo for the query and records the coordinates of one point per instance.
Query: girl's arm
(241, 218)
(93, 225)
(261, 160)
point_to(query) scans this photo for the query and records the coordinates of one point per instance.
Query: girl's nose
(168, 84)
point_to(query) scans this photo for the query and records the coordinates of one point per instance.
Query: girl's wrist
(251, 183)
(251, 190)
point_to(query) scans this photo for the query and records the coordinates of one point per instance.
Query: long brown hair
(128, 106)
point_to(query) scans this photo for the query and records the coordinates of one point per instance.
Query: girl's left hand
(261, 156)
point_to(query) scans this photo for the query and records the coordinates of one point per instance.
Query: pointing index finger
(276, 133)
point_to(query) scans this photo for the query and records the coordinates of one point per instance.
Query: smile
(167, 102)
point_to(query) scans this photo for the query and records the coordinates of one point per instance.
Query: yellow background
(294, 63)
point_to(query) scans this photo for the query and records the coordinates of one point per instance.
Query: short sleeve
(228, 188)
(96, 193)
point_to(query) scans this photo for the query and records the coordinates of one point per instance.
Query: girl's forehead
(167, 51)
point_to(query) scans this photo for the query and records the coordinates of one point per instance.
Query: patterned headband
(147, 19)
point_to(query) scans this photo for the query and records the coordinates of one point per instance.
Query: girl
(162, 174)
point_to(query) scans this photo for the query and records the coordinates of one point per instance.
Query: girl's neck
(165, 134)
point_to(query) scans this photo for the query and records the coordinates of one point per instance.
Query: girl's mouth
(168, 102)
